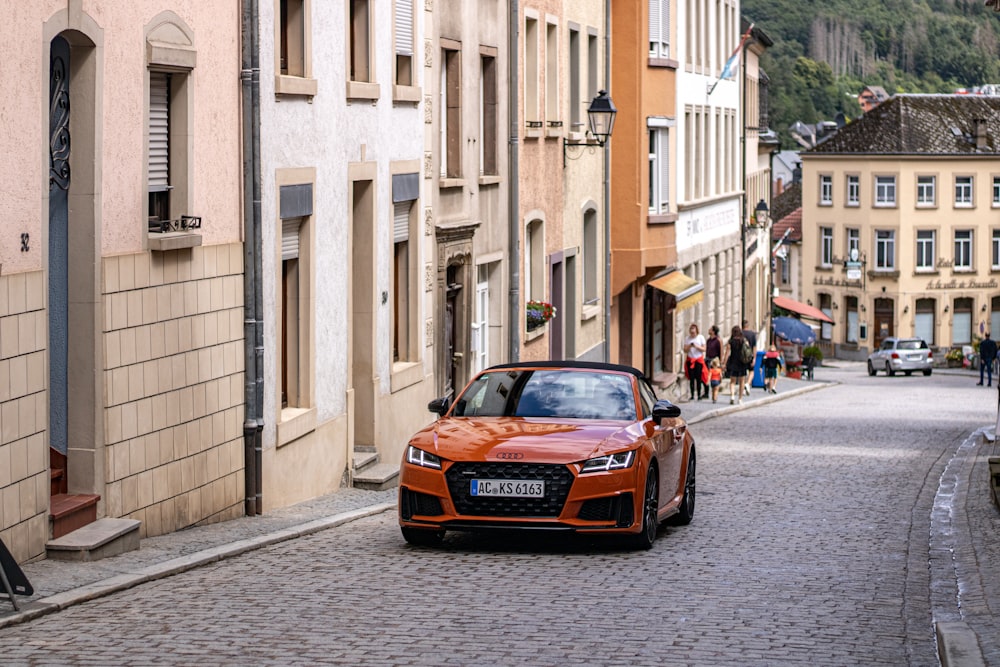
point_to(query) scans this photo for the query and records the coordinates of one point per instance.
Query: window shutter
(665, 25)
(159, 131)
(401, 222)
(290, 238)
(404, 27)
(664, 159)
(654, 25)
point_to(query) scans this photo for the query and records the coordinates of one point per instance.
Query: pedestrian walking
(987, 354)
(694, 364)
(715, 377)
(751, 337)
(772, 363)
(734, 356)
(713, 346)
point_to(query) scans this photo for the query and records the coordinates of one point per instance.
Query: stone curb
(121, 582)
(773, 398)
(958, 645)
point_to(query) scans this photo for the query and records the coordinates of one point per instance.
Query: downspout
(252, 325)
(258, 242)
(607, 191)
(513, 197)
(743, 181)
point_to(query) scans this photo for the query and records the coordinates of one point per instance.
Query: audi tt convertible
(571, 446)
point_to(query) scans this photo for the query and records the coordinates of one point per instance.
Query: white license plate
(508, 488)
(914, 357)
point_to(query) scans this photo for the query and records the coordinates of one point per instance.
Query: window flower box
(537, 313)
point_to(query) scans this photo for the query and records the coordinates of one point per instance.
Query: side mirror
(664, 409)
(439, 406)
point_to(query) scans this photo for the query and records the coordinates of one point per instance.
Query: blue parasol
(793, 330)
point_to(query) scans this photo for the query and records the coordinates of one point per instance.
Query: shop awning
(803, 309)
(686, 291)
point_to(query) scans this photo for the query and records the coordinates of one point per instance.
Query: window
(826, 190)
(785, 269)
(925, 191)
(851, 335)
(853, 190)
(552, 114)
(659, 168)
(593, 74)
(885, 250)
(481, 323)
(826, 307)
(488, 131)
(295, 213)
(925, 250)
(923, 320)
(963, 250)
(291, 37)
(159, 146)
(360, 41)
(963, 191)
(591, 258)
(291, 321)
(826, 246)
(995, 250)
(961, 322)
(450, 112)
(405, 261)
(169, 112)
(659, 28)
(853, 242)
(534, 261)
(530, 70)
(575, 81)
(885, 190)
(404, 42)
(996, 190)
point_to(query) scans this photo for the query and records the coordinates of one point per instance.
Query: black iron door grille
(558, 480)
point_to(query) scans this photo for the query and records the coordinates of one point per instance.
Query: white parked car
(901, 355)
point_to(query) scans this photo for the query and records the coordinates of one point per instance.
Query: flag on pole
(730, 67)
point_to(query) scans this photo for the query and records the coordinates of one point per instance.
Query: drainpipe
(513, 198)
(743, 181)
(607, 191)
(253, 328)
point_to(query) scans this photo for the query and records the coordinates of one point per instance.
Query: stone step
(69, 511)
(100, 539)
(363, 460)
(377, 477)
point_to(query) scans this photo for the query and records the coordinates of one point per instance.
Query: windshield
(570, 394)
(911, 345)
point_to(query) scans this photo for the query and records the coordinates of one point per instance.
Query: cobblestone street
(810, 545)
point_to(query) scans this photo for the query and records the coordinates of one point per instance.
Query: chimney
(980, 130)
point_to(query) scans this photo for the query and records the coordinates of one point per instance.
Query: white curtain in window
(923, 327)
(852, 326)
(961, 328)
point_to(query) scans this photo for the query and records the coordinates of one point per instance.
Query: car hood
(529, 440)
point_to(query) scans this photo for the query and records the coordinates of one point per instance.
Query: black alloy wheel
(927, 372)
(888, 370)
(650, 510)
(685, 513)
(419, 537)
(871, 369)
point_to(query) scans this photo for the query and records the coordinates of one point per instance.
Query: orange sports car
(572, 446)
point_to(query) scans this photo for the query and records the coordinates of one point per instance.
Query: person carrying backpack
(733, 355)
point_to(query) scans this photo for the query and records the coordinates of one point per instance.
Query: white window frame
(926, 250)
(926, 191)
(885, 191)
(996, 191)
(481, 323)
(963, 250)
(659, 28)
(853, 190)
(964, 191)
(659, 170)
(853, 240)
(995, 259)
(885, 250)
(825, 190)
(826, 246)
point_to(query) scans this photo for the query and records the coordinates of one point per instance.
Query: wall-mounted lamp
(761, 213)
(946, 308)
(601, 117)
(906, 309)
(983, 309)
(835, 306)
(863, 309)
(809, 302)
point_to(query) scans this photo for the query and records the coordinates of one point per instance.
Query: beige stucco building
(121, 337)
(911, 190)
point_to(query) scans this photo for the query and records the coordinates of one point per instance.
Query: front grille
(557, 478)
(412, 503)
(612, 508)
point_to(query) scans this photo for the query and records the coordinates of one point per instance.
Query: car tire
(927, 372)
(888, 370)
(422, 538)
(650, 511)
(907, 373)
(685, 513)
(871, 369)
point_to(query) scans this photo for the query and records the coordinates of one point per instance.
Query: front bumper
(605, 502)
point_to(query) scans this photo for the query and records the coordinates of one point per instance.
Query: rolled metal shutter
(290, 238)
(401, 221)
(159, 131)
(404, 27)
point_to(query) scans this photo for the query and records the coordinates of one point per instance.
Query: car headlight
(419, 457)
(618, 461)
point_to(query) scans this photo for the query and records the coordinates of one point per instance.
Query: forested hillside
(825, 52)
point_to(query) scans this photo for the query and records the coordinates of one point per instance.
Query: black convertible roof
(592, 365)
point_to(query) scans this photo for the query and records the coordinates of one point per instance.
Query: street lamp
(761, 212)
(601, 118)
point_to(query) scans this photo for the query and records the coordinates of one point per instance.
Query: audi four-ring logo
(510, 456)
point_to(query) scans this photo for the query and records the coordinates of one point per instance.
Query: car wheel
(888, 370)
(871, 369)
(650, 509)
(907, 373)
(685, 512)
(422, 538)
(927, 372)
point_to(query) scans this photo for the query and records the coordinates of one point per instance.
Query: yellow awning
(686, 291)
